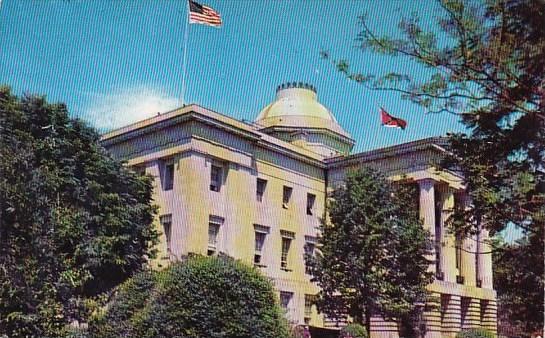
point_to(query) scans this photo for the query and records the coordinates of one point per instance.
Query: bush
(475, 333)
(200, 297)
(353, 331)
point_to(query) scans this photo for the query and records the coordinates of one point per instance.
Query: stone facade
(256, 191)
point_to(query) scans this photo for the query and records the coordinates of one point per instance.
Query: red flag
(390, 121)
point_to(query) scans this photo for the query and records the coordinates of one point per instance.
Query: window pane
(166, 222)
(259, 241)
(286, 196)
(285, 298)
(213, 230)
(215, 178)
(168, 177)
(260, 190)
(311, 199)
(286, 242)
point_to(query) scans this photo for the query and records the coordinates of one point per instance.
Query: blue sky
(115, 62)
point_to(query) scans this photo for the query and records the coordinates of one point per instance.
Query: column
(427, 213)
(448, 258)
(468, 249)
(484, 259)
(450, 306)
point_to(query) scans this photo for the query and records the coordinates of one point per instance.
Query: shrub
(475, 333)
(213, 297)
(353, 331)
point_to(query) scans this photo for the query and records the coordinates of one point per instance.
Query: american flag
(203, 14)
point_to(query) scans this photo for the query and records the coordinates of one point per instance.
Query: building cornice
(436, 144)
(197, 113)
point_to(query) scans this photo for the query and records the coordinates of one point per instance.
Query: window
(285, 299)
(215, 178)
(311, 198)
(286, 197)
(260, 236)
(214, 225)
(166, 222)
(309, 301)
(287, 237)
(259, 241)
(260, 190)
(310, 246)
(168, 176)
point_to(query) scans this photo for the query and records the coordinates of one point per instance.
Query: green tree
(372, 251)
(484, 60)
(73, 221)
(216, 297)
(521, 288)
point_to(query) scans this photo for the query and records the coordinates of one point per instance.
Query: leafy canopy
(73, 221)
(483, 60)
(372, 250)
(214, 297)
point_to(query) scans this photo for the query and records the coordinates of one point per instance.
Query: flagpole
(184, 64)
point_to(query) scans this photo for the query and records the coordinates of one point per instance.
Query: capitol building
(257, 191)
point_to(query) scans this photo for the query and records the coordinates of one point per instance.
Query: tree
(74, 222)
(198, 297)
(484, 61)
(519, 288)
(372, 251)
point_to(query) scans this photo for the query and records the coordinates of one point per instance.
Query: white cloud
(117, 109)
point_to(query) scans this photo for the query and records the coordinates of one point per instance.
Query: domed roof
(296, 105)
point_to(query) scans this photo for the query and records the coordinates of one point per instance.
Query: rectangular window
(309, 301)
(286, 197)
(311, 199)
(168, 176)
(286, 243)
(166, 222)
(261, 233)
(214, 225)
(285, 299)
(259, 241)
(310, 246)
(287, 237)
(215, 178)
(260, 190)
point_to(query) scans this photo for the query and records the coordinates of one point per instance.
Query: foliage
(200, 297)
(73, 221)
(484, 60)
(517, 286)
(475, 333)
(372, 252)
(353, 331)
